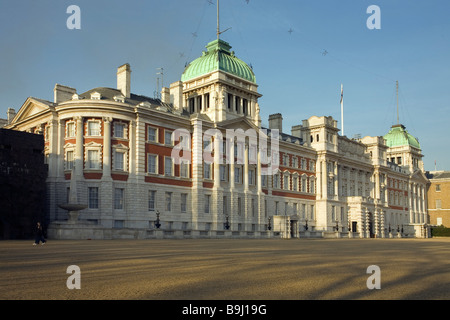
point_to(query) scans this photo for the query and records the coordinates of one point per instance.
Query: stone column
(318, 180)
(132, 149)
(246, 201)
(246, 167)
(260, 198)
(217, 161)
(61, 151)
(107, 148)
(348, 181)
(324, 180)
(411, 212)
(197, 172)
(53, 148)
(230, 158)
(217, 201)
(79, 149)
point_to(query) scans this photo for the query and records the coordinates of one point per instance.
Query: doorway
(294, 228)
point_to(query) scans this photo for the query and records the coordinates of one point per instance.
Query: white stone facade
(114, 145)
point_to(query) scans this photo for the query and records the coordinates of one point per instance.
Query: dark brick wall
(22, 183)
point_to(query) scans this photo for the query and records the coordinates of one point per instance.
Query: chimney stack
(11, 113)
(123, 79)
(165, 95)
(62, 93)
(176, 95)
(296, 131)
(276, 122)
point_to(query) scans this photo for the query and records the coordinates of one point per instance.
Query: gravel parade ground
(226, 269)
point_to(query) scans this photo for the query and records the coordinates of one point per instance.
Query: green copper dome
(218, 57)
(398, 136)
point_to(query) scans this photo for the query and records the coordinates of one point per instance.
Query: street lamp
(337, 226)
(269, 227)
(157, 222)
(306, 225)
(227, 225)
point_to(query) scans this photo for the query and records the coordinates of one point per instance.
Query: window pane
(183, 202)
(168, 166)
(93, 162)
(184, 169)
(151, 200)
(207, 200)
(93, 197)
(118, 198)
(71, 129)
(119, 161)
(69, 160)
(93, 128)
(152, 163)
(119, 130)
(168, 138)
(168, 201)
(152, 134)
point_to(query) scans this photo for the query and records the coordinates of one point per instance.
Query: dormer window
(96, 96)
(119, 98)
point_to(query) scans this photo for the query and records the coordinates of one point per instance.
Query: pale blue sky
(294, 75)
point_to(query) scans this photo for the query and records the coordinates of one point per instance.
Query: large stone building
(116, 149)
(439, 198)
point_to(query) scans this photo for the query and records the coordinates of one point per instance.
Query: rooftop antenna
(157, 92)
(162, 76)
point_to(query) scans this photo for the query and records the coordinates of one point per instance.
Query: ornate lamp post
(227, 224)
(306, 225)
(269, 227)
(157, 222)
(337, 226)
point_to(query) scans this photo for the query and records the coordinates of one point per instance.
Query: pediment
(418, 175)
(238, 123)
(30, 108)
(92, 144)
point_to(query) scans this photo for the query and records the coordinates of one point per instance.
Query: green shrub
(440, 231)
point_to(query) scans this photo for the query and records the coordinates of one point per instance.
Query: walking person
(39, 235)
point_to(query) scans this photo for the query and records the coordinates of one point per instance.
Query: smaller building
(22, 183)
(439, 198)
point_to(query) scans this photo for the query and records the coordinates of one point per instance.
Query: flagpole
(342, 108)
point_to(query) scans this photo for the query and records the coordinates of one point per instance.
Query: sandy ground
(268, 269)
